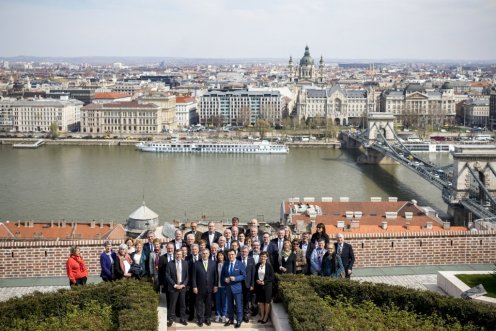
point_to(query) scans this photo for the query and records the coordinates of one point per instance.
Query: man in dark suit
(211, 236)
(235, 222)
(195, 232)
(204, 284)
(252, 233)
(269, 247)
(279, 241)
(249, 282)
(306, 246)
(147, 248)
(178, 240)
(345, 250)
(232, 276)
(190, 295)
(177, 277)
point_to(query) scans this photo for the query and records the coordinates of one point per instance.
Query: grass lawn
(488, 281)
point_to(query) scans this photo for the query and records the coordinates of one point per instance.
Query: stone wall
(47, 258)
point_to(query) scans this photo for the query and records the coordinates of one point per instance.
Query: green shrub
(421, 302)
(92, 316)
(133, 305)
(437, 312)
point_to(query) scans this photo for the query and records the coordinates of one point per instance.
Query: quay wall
(20, 259)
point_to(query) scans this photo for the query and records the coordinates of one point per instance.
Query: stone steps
(252, 325)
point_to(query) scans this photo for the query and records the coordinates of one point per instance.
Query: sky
(336, 29)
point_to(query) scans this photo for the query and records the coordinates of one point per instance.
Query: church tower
(307, 68)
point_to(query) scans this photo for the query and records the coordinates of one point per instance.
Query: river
(109, 182)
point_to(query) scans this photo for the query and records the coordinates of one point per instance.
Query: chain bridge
(469, 182)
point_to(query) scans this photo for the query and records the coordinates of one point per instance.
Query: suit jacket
(271, 250)
(106, 265)
(162, 264)
(146, 251)
(151, 263)
(183, 243)
(171, 275)
(217, 235)
(347, 256)
(204, 281)
(239, 273)
(198, 236)
(191, 265)
(289, 264)
(240, 229)
(275, 242)
(269, 274)
(251, 255)
(250, 271)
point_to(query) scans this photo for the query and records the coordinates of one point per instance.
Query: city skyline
(353, 29)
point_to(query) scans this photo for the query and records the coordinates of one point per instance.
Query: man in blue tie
(232, 276)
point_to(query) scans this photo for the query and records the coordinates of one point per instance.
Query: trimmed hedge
(425, 303)
(307, 311)
(133, 305)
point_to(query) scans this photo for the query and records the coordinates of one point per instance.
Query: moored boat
(258, 147)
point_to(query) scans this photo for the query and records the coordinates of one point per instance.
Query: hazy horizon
(422, 30)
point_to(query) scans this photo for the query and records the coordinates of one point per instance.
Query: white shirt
(261, 272)
(137, 258)
(179, 271)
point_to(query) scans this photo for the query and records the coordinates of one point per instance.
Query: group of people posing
(232, 272)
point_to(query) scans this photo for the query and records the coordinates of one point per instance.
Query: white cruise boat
(261, 147)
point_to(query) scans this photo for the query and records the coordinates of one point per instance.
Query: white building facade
(335, 103)
(38, 115)
(184, 107)
(240, 107)
(121, 118)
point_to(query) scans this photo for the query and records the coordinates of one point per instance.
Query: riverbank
(131, 142)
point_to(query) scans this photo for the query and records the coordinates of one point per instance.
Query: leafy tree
(54, 130)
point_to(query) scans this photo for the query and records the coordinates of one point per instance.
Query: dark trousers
(79, 282)
(247, 294)
(203, 306)
(231, 299)
(190, 302)
(176, 297)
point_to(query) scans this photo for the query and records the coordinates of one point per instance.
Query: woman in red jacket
(76, 269)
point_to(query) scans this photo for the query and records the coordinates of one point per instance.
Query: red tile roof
(185, 99)
(61, 230)
(110, 95)
(373, 214)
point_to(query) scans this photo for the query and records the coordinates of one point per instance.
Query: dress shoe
(200, 324)
(169, 324)
(259, 321)
(263, 322)
(190, 318)
(208, 322)
(246, 319)
(238, 325)
(183, 322)
(229, 322)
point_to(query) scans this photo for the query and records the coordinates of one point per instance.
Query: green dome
(306, 59)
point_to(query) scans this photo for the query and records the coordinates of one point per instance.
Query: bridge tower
(380, 125)
(472, 166)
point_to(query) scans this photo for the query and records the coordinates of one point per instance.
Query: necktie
(280, 245)
(205, 265)
(340, 249)
(244, 261)
(170, 258)
(231, 269)
(157, 257)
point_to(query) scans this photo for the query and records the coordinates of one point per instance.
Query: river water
(109, 182)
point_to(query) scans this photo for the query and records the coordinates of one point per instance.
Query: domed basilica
(305, 73)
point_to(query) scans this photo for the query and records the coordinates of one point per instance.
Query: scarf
(80, 261)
